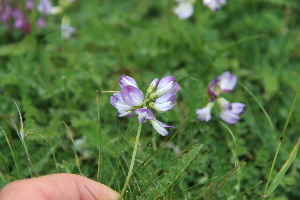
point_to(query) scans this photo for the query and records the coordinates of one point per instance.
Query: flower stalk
(131, 162)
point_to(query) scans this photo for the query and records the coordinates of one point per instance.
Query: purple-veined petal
(227, 82)
(125, 113)
(211, 89)
(152, 86)
(164, 81)
(132, 96)
(165, 98)
(229, 117)
(144, 114)
(163, 107)
(160, 127)
(164, 125)
(154, 82)
(204, 114)
(127, 80)
(117, 102)
(237, 108)
(114, 100)
(171, 87)
(184, 10)
(175, 88)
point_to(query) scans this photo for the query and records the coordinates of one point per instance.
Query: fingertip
(91, 188)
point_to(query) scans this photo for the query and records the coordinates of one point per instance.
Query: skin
(57, 187)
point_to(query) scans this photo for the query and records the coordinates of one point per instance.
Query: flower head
(214, 5)
(230, 112)
(161, 96)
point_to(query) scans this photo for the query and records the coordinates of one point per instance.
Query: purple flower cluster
(161, 97)
(230, 112)
(13, 15)
(17, 15)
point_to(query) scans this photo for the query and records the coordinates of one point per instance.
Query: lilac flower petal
(164, 125)
(227, 82)
(237, 108)
(204, 114)
(214, 5)
(144, 114)
(127, 80)
(163, 107)
(45, 7)
(165, 98)
(211, 89)
(184, 10)
(115, 98)
(123, 107)
(152, 86)
(118, 103)
(126, 113)
(175, 88)
(229, 117)
(154, 82)
(132, 96)
(160, 127)
(164, 90)
(164, 81)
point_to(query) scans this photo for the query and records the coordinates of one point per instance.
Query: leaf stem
(131, 162)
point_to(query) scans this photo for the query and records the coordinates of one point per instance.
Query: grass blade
(283, 170)
(259, 104)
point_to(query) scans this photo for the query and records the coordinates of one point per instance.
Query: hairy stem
(131, 162)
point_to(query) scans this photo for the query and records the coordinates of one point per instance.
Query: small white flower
(204, 114)
(66, 29)
(184, 9)
(214, 5)
(46, 7)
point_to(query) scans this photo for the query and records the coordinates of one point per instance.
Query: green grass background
(54, 80)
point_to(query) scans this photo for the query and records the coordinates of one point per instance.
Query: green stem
(131, 162)
(281, 138)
